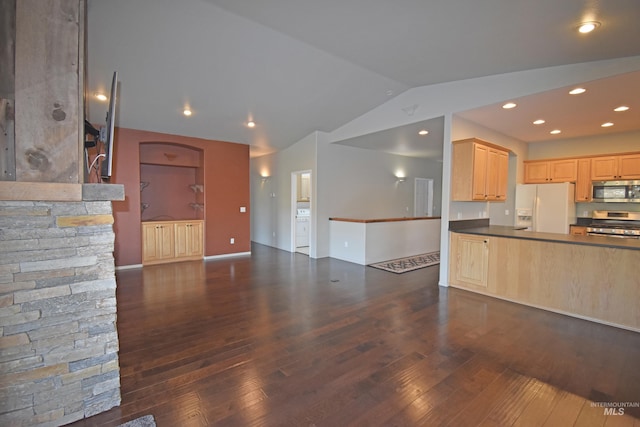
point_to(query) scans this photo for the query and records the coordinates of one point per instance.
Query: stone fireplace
(58, 337)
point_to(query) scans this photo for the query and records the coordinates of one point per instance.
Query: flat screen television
(106, 132)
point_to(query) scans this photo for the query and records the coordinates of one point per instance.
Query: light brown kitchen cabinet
(584, 188)
(545, 171)
(578, 230)
(480, 171)
(469, 263)
(157, 242)
(189, 240)
(169, 241)
(625, 166)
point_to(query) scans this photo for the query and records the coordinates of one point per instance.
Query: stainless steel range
(615, 224)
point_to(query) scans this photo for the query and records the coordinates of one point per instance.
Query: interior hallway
(282, 339)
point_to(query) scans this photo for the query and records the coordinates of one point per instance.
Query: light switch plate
(243, 209)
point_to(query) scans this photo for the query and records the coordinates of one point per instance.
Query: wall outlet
(346, 244)
(506, 211)
(232, 241)
(243, 209)
(274, 234)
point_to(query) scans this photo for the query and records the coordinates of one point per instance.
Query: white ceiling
(575, 115)
(299, 66)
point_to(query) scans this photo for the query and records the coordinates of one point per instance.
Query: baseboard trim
(128, 267)
(235, 254)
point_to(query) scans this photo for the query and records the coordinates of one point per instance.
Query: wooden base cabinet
(596, 283)
(469, 260)
(169, 241)
(189, 239)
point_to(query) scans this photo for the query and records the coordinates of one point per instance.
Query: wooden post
(49, 62)
(7, 89)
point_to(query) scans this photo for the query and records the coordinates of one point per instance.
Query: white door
(301, 193)
(423, 197)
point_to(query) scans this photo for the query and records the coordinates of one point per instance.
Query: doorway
(301, 212)
(423, 197)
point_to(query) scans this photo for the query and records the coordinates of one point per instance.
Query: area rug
(410, 263)
(146, 421)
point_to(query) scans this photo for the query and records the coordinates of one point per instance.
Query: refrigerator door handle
(534, 220)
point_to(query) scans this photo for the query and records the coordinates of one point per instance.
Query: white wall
(271, 201)
(363, 185)
(350, 182)
(585, 146)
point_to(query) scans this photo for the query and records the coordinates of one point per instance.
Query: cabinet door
(563, 170)
(182, 237)
(491, 186)
(536, 172)
(503, 175)
(472, 260)
(604, 168)
(189, 239)
(583, 182)
(578, 230)
(149, 245)
(480, 162)
(196, 239)
(157, 242)
(629, 166)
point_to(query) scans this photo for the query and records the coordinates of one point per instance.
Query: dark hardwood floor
(281, 339)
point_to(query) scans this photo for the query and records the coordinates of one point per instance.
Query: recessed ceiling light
(555, 132)
(577, 91)
(101, 96)
(538, 122)
(607, 125)
(587, 27)
(509, 105)
(251, 124)
(423, 132)
(621, 108)
(186, 112)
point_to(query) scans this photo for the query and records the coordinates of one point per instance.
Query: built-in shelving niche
(171, 182)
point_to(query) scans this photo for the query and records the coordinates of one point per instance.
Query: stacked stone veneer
(58, 338)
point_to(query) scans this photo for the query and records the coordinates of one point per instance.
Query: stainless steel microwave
(616, 191)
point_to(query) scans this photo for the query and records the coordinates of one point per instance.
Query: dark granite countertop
(514, 233)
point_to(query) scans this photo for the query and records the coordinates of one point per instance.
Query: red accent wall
(226, 185)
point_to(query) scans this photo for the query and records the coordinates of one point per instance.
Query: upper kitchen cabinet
(545, 171)
(584, 188)
(625, 166)
(480, 171)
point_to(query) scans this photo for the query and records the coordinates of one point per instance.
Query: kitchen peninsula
(589, 277)
(367, 241)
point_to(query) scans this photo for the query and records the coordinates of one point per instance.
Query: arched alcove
(171, 182)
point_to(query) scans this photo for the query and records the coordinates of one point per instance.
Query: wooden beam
(40, 191)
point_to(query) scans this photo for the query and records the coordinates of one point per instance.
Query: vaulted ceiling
(296, 66)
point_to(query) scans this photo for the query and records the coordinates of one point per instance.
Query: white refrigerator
(548, 208)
